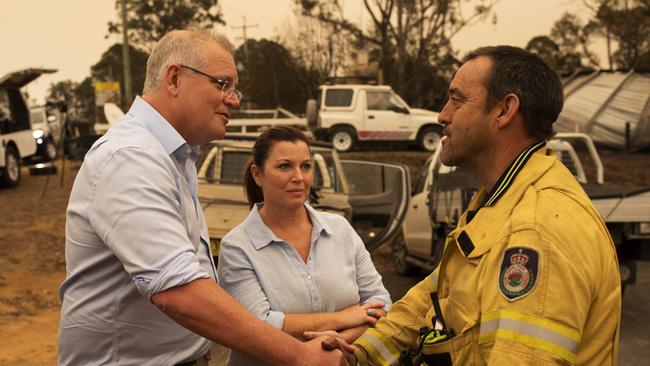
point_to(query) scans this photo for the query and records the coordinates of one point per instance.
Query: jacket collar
(474, 235)
(508, 176)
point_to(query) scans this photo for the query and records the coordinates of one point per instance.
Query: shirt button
(189, 150)
(309, 277)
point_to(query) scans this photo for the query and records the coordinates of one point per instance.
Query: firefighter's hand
(333, 343)
(349, 335)
(319, 354)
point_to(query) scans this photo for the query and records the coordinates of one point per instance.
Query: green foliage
(61, 90)
(628, 23)
(429, 89)
(411, 39)
(622, 23)
(149, 20)
(545, 48)
(84, 101)
(269, 77)
(110, 68)
(549, 51)
(79, 97)
(572, 38)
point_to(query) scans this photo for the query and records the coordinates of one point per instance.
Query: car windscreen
(233, 163)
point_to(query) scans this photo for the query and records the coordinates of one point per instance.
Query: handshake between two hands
(355, 320)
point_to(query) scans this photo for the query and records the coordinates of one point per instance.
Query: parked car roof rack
(370, 80)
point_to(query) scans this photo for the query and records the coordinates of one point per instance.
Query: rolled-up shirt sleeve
(138, 213)
(238, 277)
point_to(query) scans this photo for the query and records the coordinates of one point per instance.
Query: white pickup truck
(17, 141)
(442, 193)
(347, 115)
(252, 122)
(374, 209)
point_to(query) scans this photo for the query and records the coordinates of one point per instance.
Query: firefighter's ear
(507, 109)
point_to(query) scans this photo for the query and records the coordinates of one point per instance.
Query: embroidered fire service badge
(518, 275)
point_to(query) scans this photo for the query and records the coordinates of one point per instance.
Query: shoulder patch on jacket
(518, 274)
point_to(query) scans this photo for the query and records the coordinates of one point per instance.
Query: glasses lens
(234, 93)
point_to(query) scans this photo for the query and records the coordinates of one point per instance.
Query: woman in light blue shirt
(296, 268)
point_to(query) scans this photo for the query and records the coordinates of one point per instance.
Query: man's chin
(217, 134)
(447, 159)
(444, 154)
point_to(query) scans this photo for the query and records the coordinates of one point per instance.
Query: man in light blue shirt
(141, 285)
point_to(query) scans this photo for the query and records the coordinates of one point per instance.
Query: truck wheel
(400, 253)
(627, 269)
(10, 174)
(428, 139)
(342, 138)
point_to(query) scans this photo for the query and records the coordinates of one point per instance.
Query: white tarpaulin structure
(601, 103)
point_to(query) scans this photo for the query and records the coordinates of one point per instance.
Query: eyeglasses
(223, 85)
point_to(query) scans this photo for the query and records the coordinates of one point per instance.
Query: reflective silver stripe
(528, 329)
(381, 348)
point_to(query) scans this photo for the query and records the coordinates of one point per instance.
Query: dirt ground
(32, 259)
(32, 266)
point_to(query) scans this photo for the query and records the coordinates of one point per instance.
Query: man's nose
(232, 101)
(444, 117)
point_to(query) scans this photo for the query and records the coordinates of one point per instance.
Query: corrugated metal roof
(602, 103)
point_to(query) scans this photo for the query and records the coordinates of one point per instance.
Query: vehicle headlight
(644, 228)
(37, 134)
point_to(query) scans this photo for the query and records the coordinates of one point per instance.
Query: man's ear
(172, 79)
(508, 107)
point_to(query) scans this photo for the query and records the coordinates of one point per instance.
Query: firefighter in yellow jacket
(530, 275)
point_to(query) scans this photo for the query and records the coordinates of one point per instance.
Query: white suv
(348, 114)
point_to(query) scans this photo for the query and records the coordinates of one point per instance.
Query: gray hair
(179, 47)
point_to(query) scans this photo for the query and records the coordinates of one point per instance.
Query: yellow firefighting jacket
(529, 277)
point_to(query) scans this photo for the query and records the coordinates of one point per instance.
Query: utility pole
(243, 27)
(126, 59)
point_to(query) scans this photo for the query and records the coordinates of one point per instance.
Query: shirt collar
(261, 236)
(169, 138)
(317, 220)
